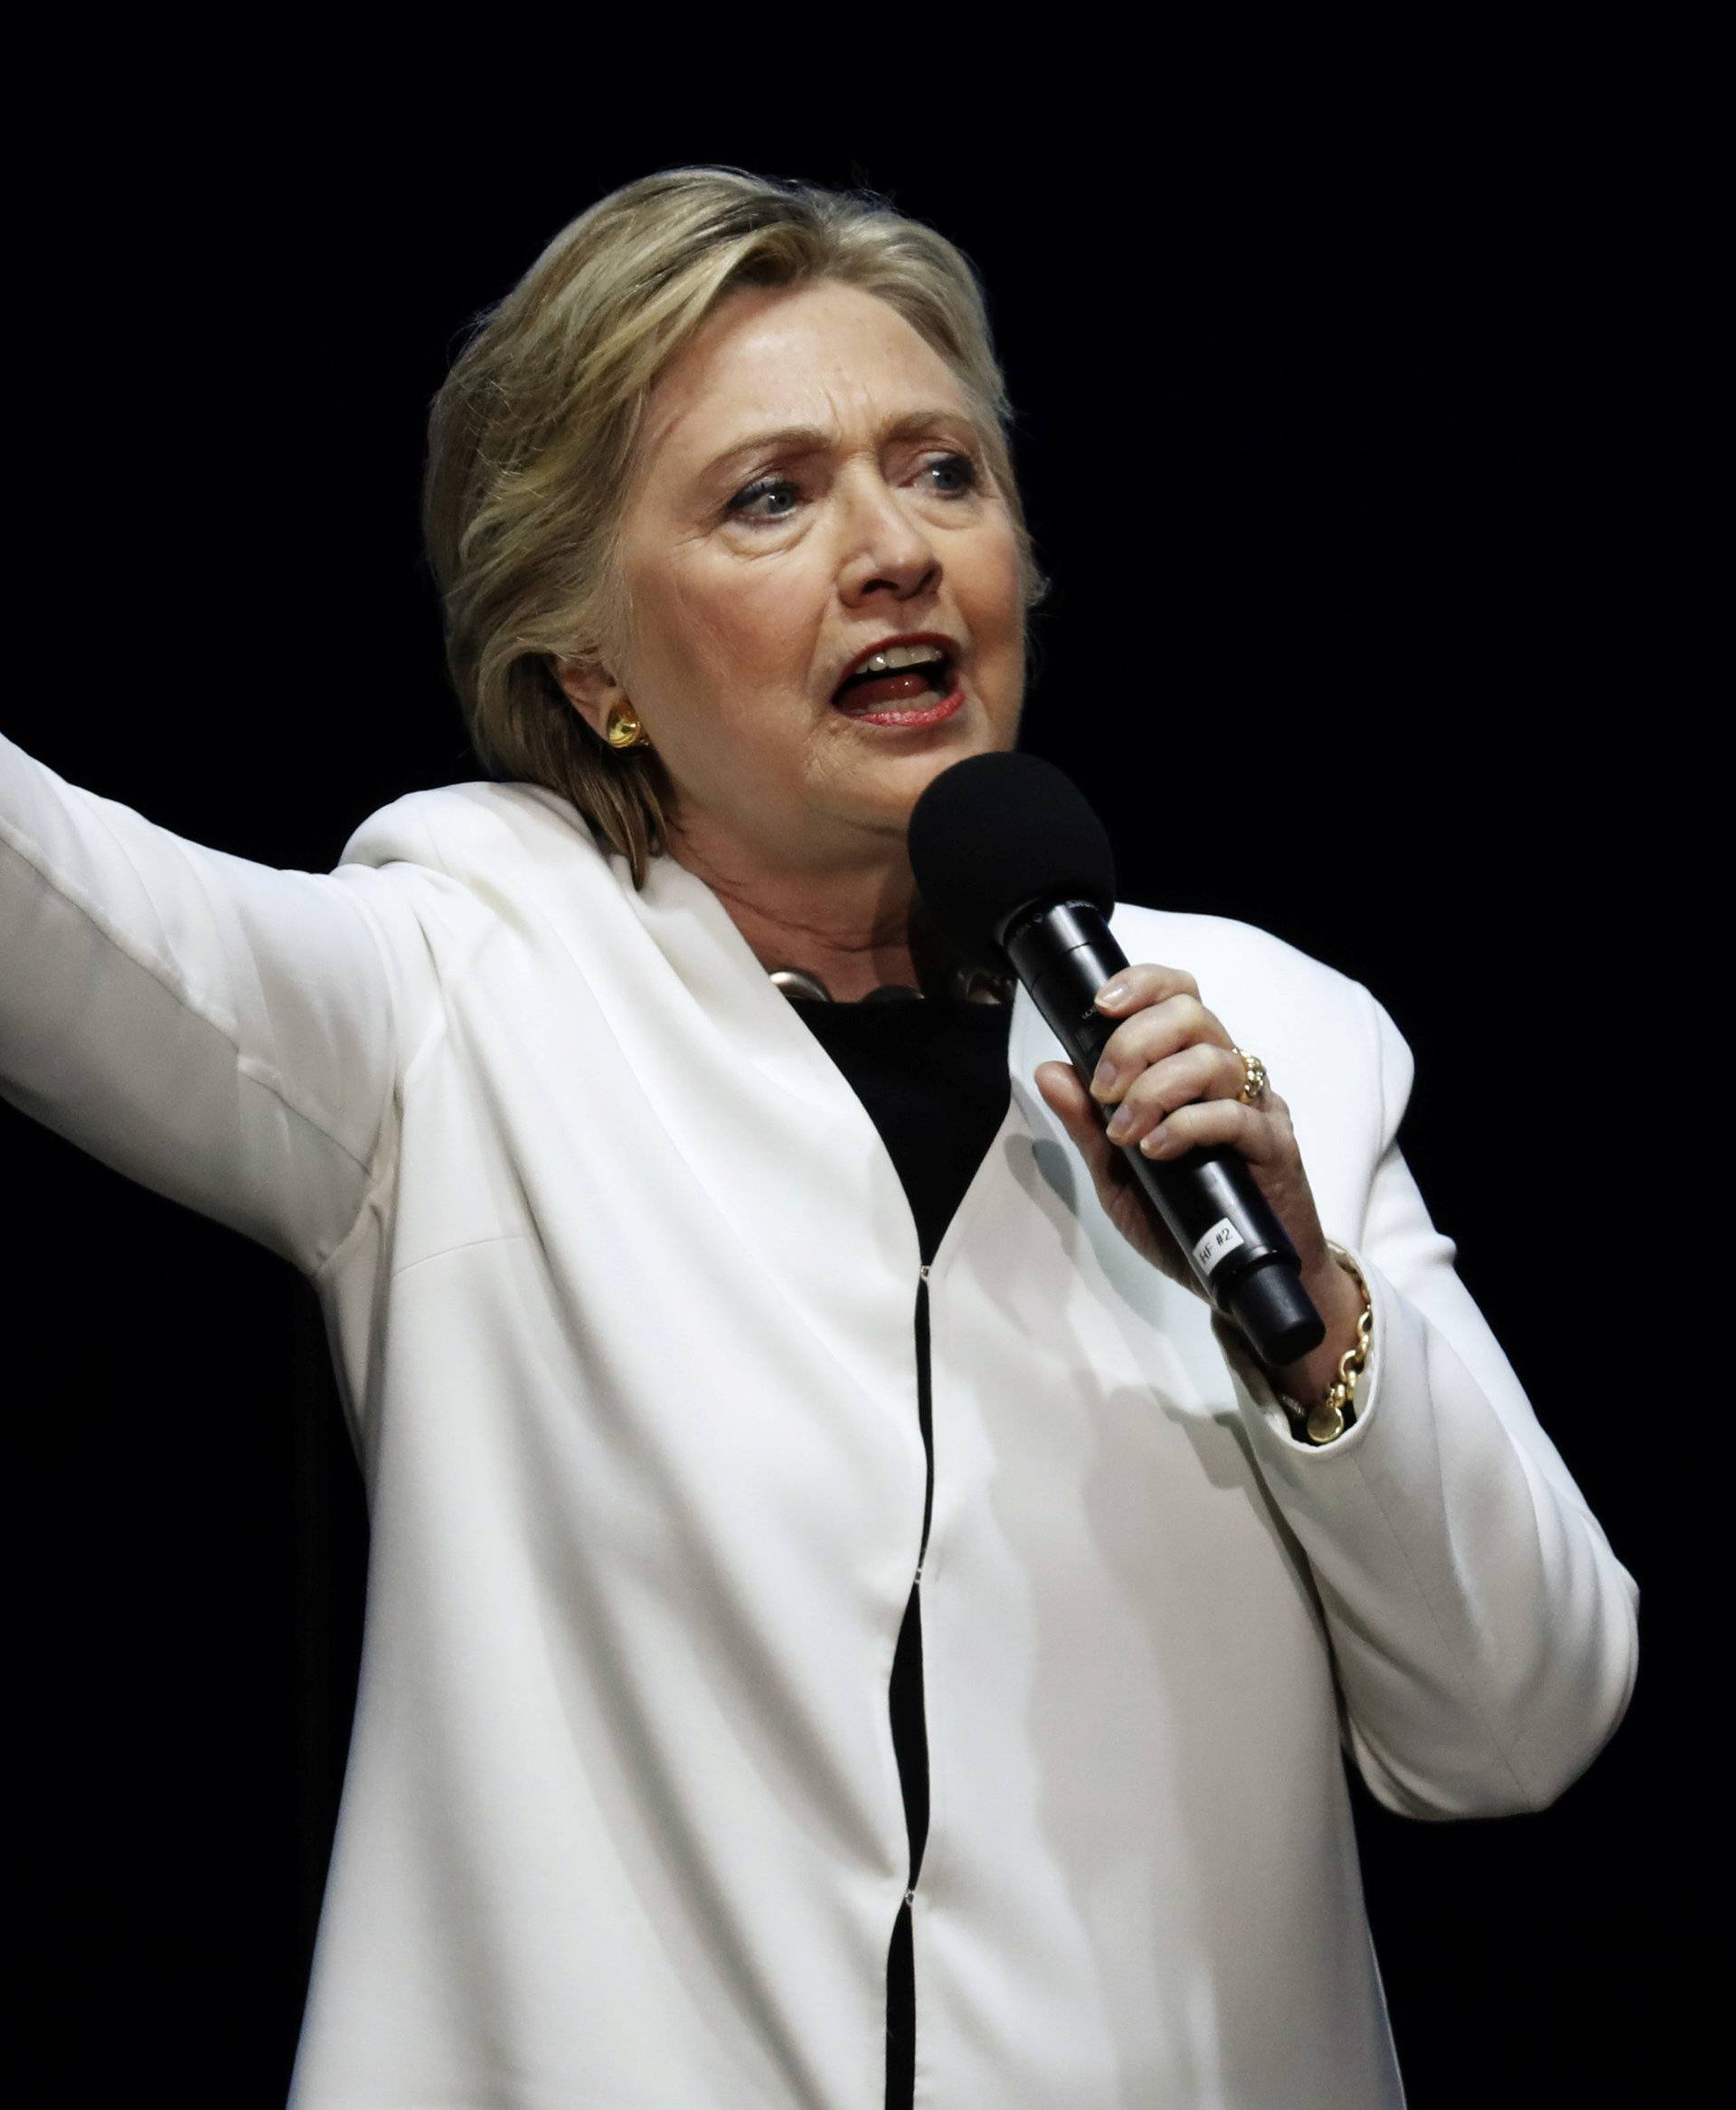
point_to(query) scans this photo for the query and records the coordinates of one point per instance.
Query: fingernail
(1104, 1079)
(1115, 991)
(1122, 1121)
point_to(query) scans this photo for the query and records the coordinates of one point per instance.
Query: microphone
(1012, 865)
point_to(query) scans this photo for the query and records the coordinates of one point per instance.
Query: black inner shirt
(931, 1072)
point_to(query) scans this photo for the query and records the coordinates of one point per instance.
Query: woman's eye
(770, 498)
(766, 487)
(955, 464)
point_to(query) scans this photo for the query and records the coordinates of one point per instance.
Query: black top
(932, 1073)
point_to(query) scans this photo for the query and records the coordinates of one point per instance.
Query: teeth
(900, 656)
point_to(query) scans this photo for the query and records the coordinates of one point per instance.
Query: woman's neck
(857, 928)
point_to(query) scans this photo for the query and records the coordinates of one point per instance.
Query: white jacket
(620, 1282)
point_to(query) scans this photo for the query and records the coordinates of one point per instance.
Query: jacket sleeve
(223, 1032)
(1484, 1636)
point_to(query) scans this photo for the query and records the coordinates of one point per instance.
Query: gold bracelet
(1325, 1422)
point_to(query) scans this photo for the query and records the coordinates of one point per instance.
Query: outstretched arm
(227, 1034)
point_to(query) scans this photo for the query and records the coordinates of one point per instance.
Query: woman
(846, 1621)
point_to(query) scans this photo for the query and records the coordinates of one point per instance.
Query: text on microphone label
(1222, 1239)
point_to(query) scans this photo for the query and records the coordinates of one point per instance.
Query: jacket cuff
(1257, 1395)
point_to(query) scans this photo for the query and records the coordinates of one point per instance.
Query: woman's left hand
(1171, 1069)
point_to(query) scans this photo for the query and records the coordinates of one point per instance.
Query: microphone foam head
(996, 832)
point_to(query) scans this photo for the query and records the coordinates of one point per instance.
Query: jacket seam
(377, 1185)
(446, 1252)
(437, 1029)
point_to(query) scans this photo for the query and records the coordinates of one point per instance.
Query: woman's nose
(883, 545)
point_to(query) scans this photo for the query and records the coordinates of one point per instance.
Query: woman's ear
(591, 690)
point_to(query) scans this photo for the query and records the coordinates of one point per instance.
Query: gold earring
(623, 730)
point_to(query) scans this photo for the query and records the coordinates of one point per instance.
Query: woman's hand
(1171, 1070)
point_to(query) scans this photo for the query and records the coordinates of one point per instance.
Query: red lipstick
(932, 713)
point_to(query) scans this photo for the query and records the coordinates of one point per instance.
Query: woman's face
(809, 483)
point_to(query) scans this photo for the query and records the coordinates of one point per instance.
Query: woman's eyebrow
(813, 438)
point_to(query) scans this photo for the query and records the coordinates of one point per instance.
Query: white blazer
(620, 1282)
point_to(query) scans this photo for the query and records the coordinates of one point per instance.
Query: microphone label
(1222, 1239)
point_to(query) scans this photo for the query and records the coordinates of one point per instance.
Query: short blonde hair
(531, 442)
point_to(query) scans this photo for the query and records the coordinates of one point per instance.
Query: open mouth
(911, 694)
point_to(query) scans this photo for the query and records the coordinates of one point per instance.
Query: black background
(1353, 455)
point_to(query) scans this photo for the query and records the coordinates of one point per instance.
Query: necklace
(973, 984)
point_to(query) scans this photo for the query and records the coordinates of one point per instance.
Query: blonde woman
(847, 1623)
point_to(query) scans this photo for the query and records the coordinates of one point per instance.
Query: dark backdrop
(1343, 460)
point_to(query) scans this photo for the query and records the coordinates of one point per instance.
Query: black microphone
(1014, 867)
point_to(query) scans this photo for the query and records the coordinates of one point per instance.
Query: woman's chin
(884, 793)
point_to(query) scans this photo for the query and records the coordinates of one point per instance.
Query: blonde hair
(531, 442)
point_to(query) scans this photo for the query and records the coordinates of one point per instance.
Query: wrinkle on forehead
(785, 369)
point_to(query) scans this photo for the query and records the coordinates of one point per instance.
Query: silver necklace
(973, 984)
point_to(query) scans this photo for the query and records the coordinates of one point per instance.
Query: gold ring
(1253, 1082)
